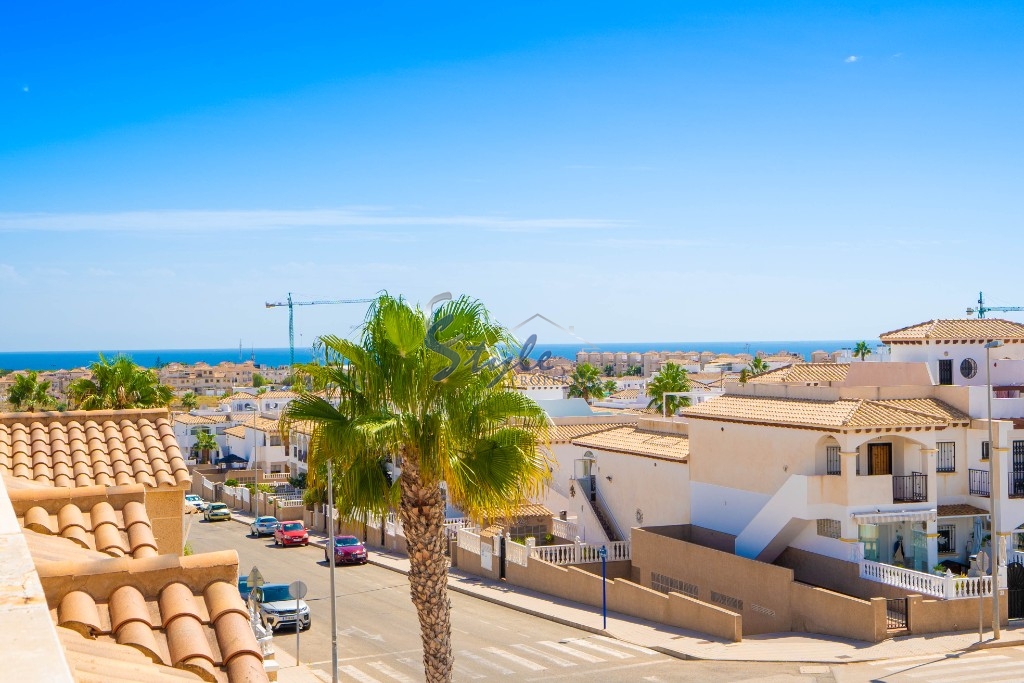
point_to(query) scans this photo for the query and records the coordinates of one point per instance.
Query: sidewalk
(684, 644)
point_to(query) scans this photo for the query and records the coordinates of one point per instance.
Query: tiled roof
(635, 441)
(108, 520)
(190, 419)
(93, 661)
(842, 413)
(536, 379)
(959, 510)
(83, 448)
(239, 396)
(277, 394)
(972, 329)
(178, 612)
(237, 431)
(626, 394)
(566, 433)
(805, 373)
(256, 422)
(929, 406)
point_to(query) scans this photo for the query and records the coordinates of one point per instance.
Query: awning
(897, 516)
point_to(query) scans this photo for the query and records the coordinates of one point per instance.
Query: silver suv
(277, 608)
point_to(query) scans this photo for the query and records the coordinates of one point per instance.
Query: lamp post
(993, 473)
(330, 554)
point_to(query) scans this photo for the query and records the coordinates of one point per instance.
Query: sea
(67, 360)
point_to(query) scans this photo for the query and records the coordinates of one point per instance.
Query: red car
(291, 533)
(347, 550)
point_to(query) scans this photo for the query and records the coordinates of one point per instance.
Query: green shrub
(231, 482)
(187, 550)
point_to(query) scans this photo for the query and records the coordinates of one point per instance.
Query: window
(946, 457)
(968, 368)
(945, 372)
(947, 538)
(832, 460)
(984, 450)
(830, 528)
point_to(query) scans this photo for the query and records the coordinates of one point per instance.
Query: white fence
(948, 586)
(516, 553)
(581, 553)
(469, 541)
(453, 524)
(393, 525)
(561, 528)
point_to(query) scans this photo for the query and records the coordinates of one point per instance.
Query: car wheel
(306, 543)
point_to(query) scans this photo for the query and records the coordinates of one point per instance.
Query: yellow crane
(291, 314)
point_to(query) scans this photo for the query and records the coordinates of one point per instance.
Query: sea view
(65, 360)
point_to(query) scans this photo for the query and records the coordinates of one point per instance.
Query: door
(879, 458)
(945, 372)
(501, 558)
(1015, 589)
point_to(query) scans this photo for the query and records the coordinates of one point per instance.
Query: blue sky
(676, 171)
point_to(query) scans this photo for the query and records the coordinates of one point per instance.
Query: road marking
(322, 675)
(357, 674)
(900, 660)
(532, 666)
(483, 662)
(566, 650)
(950, 663)
(628, 646)
(391, 673)
(543, 655)
(356, 632)
(814, 669)
(591, 645)
(983, 672)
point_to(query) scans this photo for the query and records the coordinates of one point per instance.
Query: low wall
(619, 569)
(925, 615)
(835, 575)
(816, 610)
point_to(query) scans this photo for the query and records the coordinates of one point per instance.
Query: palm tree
(118, 384)
(861, 350)
(28, 393)
(758, 366)
(189, 400)
(585, 382)
(416, 388)
(205, 442)
(672, 378)
(745, 375)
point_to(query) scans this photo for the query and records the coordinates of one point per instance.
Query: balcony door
(879, 458)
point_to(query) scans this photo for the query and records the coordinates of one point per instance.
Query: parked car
(277, 607)
(263, 525)
(347, 550)
(243, 587)
(195, 501)
(291, 533)
(217, 511)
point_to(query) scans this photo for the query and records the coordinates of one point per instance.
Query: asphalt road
(378, 634)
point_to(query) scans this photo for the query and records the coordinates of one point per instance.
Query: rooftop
(805, 373)
(634, 440)
(959, 329)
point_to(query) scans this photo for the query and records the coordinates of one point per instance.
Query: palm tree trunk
(422, 514)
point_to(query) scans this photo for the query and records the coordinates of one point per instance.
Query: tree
(585, 382)
(610, 387)
(861, 350)
(28, 393)
(671, 378)
(205, 442)
(189, 400)
(119, 384)
(258, 380)
(418, 387)
(634, 371)
(758, 366)
(608, 370)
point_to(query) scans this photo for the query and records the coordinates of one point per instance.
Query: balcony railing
(1015, 484)
(978, 483)
(912, 488)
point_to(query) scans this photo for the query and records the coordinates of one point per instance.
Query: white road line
(543, 655)
(566, 650)
(532, 666)
(899, 660)
(949, 663)
(391, 673)
(628, 646)
(982, 672)
(483, 662)
(591, 645)
(322, 675)
(357, 674)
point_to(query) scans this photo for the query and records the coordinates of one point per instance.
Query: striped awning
(896, 516)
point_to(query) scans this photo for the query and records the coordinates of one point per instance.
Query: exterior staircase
(602, 517)
(777, 524)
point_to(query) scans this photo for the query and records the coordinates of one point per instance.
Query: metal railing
(608, 516)
(978, 483)
(1015, 484)
(912, 488)
(896, 614)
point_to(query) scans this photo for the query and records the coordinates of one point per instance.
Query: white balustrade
(453, 524)
(581, 553)
(948, 586)
(469, 541)
(564, 529)
(516, 552)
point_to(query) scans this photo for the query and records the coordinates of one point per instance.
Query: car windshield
(292, 526)
(346, 540)
(218, 506)
(266, 520)
(275, 593)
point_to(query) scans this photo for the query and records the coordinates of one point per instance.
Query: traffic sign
(297, 589)
(255, 579)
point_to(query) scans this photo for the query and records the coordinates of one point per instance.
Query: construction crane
(291, 314)
(982, 309)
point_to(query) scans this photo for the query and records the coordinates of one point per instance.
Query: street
(996, 665)
(378, 634)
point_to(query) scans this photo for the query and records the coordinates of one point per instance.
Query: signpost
(604, 585)
(297, 589)
(980, 563)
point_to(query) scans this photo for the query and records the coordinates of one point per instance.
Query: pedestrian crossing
(513, 660)
(990, 668)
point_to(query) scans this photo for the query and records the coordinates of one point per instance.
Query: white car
(195, 501)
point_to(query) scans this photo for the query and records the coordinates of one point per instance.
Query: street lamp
(993, 473)
(330, 554)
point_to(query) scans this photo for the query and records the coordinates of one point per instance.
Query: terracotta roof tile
(959, 510)
(94, 661)
(626, 394)
(961, 329)
(566, 433)
(804, 373)
(635, 441)
(277, 394)
(841, 413)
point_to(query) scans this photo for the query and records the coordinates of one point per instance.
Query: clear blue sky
(648, 171)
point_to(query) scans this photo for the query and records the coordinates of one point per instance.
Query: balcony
(913, 488)
(978, 483)
(1015, 484)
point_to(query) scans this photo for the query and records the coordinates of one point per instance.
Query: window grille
(832, 465)
(946, 461)
(666, 584)
(947, 538)
(735, 604)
